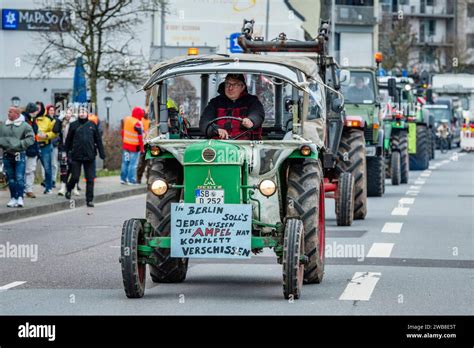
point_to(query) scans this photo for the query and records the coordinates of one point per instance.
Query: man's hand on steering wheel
(222, 133)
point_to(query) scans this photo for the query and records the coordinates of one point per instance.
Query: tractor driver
(233, 100)
(360, 91)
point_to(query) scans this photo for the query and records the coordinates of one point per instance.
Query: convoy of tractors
(329, 132)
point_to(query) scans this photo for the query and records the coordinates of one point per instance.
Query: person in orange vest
(132, 146)
(142, 160)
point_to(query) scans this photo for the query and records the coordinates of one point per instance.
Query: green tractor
(362, 140)
(397, 110)
(210, 198)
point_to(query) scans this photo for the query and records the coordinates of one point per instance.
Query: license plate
(209, 196)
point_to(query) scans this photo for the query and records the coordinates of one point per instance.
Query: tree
(395, 44)
(102, 32)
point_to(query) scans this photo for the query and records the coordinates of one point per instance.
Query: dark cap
(30, 108)
(239, 77)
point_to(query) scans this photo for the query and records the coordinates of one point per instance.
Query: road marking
(412, 193)
(114, 246)
(445, 161)
(425, 175)
(462, 154)
(419, 182)
(432, 167)
(11, 285)
(361, 286)
(415, 187)
(380, 250)
(406, 201)
(392, 227)
(400, 211)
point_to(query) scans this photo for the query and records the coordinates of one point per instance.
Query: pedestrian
(132, 146)
(82, 143)
(61, 127)
(45, 136)
(51, 111)
(142, 161)
(15, 137)
(32, 152)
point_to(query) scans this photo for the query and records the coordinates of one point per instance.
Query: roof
(303, 64)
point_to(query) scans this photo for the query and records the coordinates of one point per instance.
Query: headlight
(267, 187)
(155, 150)
(407, 87)
(159, 187)
(305, 150)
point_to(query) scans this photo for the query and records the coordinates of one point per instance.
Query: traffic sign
(234, 44)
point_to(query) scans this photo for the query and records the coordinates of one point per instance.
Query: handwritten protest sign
(211, 230)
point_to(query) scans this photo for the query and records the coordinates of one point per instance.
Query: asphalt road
(412, 255)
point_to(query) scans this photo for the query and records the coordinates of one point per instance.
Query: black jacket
(33, 150)
(83, 141)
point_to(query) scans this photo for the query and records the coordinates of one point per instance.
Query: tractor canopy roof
(294, 69)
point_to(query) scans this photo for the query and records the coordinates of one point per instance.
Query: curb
(20, 213)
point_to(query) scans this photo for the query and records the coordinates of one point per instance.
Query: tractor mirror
(392, 87)
(337, 104)
(344, 77)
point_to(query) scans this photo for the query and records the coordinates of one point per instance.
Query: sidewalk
(105, 189)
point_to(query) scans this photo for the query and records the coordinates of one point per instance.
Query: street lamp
(108, 104)
(15, 101)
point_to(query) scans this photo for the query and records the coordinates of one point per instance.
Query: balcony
(355, 15)
(428, 40)
(425, 12)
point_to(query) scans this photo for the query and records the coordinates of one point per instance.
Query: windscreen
(360, 89)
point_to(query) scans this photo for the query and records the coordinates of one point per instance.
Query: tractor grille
(208, 154)
(369, 134)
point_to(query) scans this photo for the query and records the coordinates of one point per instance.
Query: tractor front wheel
(421, 160)
(158, 212)
(395, 168)
(293, 259)
(345, 200)
(375, 176)
(305, 201)
(133, 269)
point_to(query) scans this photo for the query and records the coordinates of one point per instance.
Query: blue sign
(211, 230)
(9, 19)
(234, 43)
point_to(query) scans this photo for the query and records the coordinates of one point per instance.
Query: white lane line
(432, 167)
(400, 211)
(380, 250)
(392, 227)
(419, 182)
(361, 286)
(425, 175)
(406, 200)
(415, 188)
(11, 285)
(462, 154)
(412, 193)
(114, 246)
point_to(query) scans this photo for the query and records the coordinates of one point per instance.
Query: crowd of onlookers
(63, 141)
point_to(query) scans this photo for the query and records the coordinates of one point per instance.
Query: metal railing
(358, 15)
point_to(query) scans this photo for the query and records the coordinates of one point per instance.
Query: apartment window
(427, 56)
(429, 2)
(431, 27)
(470, 40)
(470, 10)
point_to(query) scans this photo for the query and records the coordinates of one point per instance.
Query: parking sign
(234, 44)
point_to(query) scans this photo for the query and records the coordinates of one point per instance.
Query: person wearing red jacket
(132, 140)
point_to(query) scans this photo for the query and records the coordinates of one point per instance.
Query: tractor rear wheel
(305, 201)
(375, 176)
(133, 269)
(421, 160)
(345, 200)
(395, 168)
(351, 159)
(158, 212)
(293, 259)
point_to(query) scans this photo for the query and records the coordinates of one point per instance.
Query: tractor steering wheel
(227, 118)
